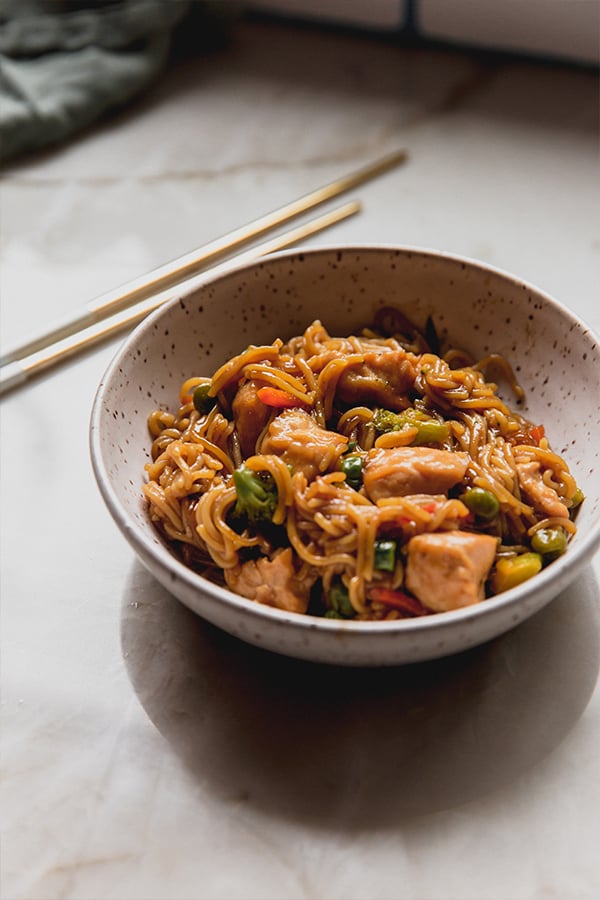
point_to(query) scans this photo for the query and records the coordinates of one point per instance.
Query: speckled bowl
(556, 357)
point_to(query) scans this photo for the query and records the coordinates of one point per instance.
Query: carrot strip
(278, 399)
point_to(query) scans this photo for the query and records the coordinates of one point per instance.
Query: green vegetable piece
(352, 467)
(339, 601)
(577, 498)
(202, 401)
(481, 502)
(430, 433)
(385, 555)
(429, 430)
(331, 614)
(256, 495)
(550, 542)
(515, 570)
(385, 420)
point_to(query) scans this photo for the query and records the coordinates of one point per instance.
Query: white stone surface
(147, 756)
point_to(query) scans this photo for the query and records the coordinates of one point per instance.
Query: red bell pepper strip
(537, 433)
(397, 599)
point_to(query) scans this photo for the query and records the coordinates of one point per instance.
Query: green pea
(202, 400)
(385, 555)
(577, 498)
(550, 542)
(481, 502)
(352, 467)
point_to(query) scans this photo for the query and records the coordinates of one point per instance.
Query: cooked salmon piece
(303, 444)
(250, 416)
(272, 582)
(540, 495)
(400, 471)
(383, 379)
(447, 570)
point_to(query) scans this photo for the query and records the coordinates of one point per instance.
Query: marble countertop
(146, 755)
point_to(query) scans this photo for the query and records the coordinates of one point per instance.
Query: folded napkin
(63, 63)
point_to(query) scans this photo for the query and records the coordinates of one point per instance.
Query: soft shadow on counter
(359, 747)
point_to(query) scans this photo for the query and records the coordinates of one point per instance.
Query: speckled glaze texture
(555, 356)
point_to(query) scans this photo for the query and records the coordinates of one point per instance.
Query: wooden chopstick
(19, 371)
(190, 264)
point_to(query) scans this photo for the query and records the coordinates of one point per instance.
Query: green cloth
(63, 63)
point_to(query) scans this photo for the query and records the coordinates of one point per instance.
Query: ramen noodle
(369, 477)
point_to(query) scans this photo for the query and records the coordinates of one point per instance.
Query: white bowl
(556, 357)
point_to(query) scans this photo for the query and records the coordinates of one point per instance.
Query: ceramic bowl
(556, 357)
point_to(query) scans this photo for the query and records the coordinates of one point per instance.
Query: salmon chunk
(303, 444)
(383, 379)
(250, 416)
(401, 471)
(448, 570)
(542, 496)
(272, 582)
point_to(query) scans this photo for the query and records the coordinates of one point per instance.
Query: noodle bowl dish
(356, 455)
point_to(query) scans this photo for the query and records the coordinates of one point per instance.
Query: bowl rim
(558, 575)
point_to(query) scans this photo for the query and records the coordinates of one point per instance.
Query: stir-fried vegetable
(577, 498)
(429, 429)
(203, 401)
(256, 495)
(352, 467)
(515, 570)
(397, 600)
(481, 502)
(536, 433)
(278, 399)
(338, 601)
(385, 555)
(549, 542)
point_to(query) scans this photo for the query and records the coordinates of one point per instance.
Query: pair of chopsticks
(124, 307)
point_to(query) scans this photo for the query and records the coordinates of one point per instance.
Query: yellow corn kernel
(515, 570)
